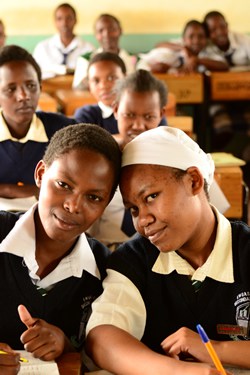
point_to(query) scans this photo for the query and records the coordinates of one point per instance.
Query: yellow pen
(21, 359)
(210, 349)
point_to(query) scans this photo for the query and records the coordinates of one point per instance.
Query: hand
(186, 342)
(9, 363)
(43, 340)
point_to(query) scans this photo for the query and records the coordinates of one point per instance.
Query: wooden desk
(50, 85)
(226, 86)
(69, 364)
(47, 103)
(230, 180)
(188, 88)
(70, 100)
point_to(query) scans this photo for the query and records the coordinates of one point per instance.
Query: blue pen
(210, 349)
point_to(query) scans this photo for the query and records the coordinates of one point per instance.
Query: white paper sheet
(36, 366)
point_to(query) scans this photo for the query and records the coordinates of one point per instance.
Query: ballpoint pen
(21, 359)
(210, 349)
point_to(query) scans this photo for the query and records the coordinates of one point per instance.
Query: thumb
(25, 316)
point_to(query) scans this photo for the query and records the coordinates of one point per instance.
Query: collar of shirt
(219, 265)
(106, 111)
(58, 44)
(35, 133)
(20, 241)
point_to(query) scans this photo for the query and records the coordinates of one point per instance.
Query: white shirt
(49, 54)
(239, 49)
(121, 303)
(21, 242)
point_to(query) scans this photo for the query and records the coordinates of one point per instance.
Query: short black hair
(107, 15)
(213, 13)
(108, 56)
(85, 136)
(194, 23)
(141, 81)
(66, 5)
(12, 52)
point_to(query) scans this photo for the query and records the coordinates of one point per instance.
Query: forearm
(18, 191)
(233, 353)
(213, 65)
(117, 351)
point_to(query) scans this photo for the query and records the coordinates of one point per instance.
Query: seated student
(50, 270)
(108, 32)
(190, 56)
(230, 122)
(2, 34)
(188, 265)
(24, 133)
(140, 105)
(103, 71)
(58, 54)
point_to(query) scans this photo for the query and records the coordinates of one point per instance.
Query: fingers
(25, 316)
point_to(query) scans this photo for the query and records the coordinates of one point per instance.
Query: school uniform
(53, 57)
(20, 156)
(62, 298)
(156, 296)
(99, 114)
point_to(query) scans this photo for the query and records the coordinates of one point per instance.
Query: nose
(138, 123)
(23, 94)
(144, 218)
(73, 204)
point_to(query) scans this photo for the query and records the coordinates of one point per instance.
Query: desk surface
(50, 85)
(69, 364)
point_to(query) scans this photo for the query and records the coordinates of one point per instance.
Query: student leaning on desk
(187, 265)
(50, 271)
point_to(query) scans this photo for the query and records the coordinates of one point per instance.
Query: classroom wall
(144, 23)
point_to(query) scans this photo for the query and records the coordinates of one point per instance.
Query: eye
(128, 115)
(63, 185)
(112, 78)
(94, 81)
(150, 117)
(32, 86)
(134, 211)
(95, 198)
(151, 197)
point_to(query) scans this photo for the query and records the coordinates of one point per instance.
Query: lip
(65, 223)
(26, 109)
(156, 235)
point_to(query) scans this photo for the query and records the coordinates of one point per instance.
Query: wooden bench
(47, 103)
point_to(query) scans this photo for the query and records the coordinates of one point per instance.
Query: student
(108, 32)
(139, 105)
(104, 70)
(187, 265)
(2, 34)
(190, 56)
(24, 133)
(230, 122)
(50, 270)
(58, 54)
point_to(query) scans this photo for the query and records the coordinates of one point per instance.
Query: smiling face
(74, 191)
(195, 38)
(165, 209)
(137, 112)
(19, 94)
(218, 32)
(108, 32)
(102, 76)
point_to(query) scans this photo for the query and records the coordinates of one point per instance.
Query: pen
(210, 349)
(21, 359)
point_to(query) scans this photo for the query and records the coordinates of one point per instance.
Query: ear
(115, 109)
(39, 172)
(196, 180)
(163, 111)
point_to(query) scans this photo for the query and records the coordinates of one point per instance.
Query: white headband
(169, 147)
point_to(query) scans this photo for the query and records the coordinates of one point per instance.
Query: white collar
(106, 110)
(35, 133)
(219, 265)
(20, 242)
